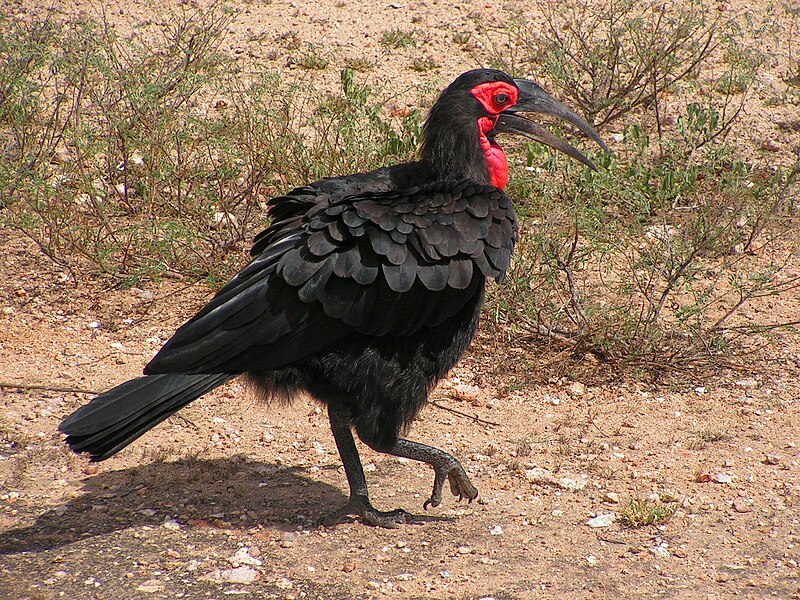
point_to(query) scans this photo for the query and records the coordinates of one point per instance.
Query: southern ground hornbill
(364, 292)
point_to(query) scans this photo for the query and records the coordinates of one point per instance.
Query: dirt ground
(222, 500)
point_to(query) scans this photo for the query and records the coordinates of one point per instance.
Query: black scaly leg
(445, 466)
(358, 504)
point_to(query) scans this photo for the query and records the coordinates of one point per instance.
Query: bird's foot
(360, 506)
(460, 485)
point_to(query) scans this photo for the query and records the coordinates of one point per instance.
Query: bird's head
(460, 131)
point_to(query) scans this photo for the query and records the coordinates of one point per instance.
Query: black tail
(114, 419)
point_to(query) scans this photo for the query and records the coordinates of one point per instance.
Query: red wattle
(496, 161)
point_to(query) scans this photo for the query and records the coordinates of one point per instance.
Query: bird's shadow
(233, 492)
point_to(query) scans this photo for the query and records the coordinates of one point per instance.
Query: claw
(360, 506)
(460, 485)
(454, 487)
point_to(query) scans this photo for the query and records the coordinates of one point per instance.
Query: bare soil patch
(169, 517)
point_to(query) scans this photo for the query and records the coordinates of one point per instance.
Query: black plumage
(364, 291)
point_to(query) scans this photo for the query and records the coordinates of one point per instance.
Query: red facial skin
(495, 97)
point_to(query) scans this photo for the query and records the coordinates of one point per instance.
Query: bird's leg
(445, 466)
(358, 504)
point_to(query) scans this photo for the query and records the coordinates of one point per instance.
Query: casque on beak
(533, 98)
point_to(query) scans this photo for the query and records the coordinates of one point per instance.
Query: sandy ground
(223, 499)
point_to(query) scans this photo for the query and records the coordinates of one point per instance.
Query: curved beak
(533, 98)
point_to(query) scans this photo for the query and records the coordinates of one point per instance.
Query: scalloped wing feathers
(372, 262)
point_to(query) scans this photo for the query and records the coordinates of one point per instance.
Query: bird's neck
(460, 151)
(496, 161)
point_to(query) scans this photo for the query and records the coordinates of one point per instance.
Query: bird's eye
(501, 98)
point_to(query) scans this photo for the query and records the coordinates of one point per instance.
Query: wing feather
(348, 255)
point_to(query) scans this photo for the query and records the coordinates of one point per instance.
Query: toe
(388, 520)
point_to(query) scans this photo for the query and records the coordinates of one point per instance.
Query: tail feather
(116, 418)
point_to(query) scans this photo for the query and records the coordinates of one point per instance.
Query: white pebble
(242, 557)
(604, 520)
(723, 478)
(171, 524)
(242, 575)
(660, 551)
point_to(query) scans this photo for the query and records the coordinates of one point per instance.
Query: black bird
(364, 291)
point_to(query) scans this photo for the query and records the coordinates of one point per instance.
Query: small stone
(660, 551)
(604, 520)
(610, 498)
(496, 530)
(742, 506)
(82, 199)
(193, 565)
(62, 156)
(470, 393)
(592, 560)
(464, 549)
(770, 145)
(373, 585)
(243, 575)
(771, 459)
(349, 567)
(747, 383)
(136, 158)
(171, 524)
(576, 388)
(723, 478)
(539, 475)
(151, 586)
(660, 233)
(545, 477)
(224, 218)
(143, 294)
(573, 485)
(288, 538)
(147, 512)
(242, 557)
